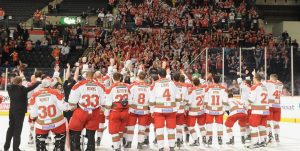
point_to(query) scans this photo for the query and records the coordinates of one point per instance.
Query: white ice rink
(290, 140)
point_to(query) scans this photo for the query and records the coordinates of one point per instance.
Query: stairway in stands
(20, 10)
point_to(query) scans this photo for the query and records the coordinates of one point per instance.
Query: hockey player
(188, 85)
(259, 113)
(196, 111)
(116, 107)
(237, 112)
(164, 94)
(87, 94)
(245, 87)
(274, 88)
(106, 81)
(180, 119)
(46, 107)
(154, 78)
(139, 110)
(215, 101)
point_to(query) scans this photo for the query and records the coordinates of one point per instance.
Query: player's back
(47, 105)
(236, 106)
(88, 94)
(118, 94)
(164, 93)
(196, 100)
(215, 96)
(259, 99)
(274, 90)
(164, 90)
(139, 97)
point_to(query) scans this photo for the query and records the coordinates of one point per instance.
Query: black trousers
(14, 130)
(68, 115)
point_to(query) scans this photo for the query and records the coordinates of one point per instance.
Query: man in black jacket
(18, 107)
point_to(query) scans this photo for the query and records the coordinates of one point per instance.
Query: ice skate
(220, 141)
(209, 142)
(196, 143)
(31, 140)
(127, 145)
(231, 141)
(98, 142)
(277, 138)
(179, 143)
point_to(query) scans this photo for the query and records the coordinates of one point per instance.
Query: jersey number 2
(200, 100)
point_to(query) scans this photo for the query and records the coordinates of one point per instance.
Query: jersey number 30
(49, 111)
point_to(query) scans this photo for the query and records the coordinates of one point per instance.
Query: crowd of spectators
(177, 39)
(180, 35)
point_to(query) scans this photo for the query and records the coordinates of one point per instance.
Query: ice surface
(289, 137)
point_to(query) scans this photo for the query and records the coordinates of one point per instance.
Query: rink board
(290, 107)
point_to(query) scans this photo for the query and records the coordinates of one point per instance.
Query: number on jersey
(167, 95)
(264, 98)
(141, 98)
(200, 100)
(49, 111)
(277, 94)
(121, 97)
(215, 100)
(90, 100)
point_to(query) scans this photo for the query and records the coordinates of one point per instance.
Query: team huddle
(170, 102)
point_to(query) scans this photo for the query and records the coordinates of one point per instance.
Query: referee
(18, 107)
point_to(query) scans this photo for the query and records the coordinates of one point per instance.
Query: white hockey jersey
(236, 106)
(88, 94)
(196, 100)
(216, 99)
(47, 106)
(274, 93)
(259, 99)
(139, 98)
(117, 93)
(164, 95)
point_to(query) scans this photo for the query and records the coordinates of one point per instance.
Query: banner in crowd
(69, 20)
(290, 107)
